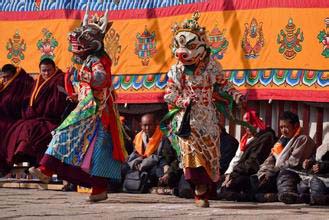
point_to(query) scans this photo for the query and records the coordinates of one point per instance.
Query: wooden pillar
(280, 111)
(306, 119)
(294, 107)
(319, 126)
(232, 124)
(268, 114)
(242, 130)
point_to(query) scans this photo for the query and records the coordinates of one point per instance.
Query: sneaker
(202, 203)
(37, 173)
(98, 197)
(266, 197)
(288, 197)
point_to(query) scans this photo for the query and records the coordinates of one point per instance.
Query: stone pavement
(46, 204)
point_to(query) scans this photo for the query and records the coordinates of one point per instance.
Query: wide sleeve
(174, 95)
(222, 84)
(234, 161)
(100, 78)
(304, 147)
(268, 167)
(255, 154)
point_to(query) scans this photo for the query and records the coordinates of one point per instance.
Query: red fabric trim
(143, 97)
(45, 171)
(211, 5)
(253, 94)
(68, 84)
(109, 119)
(287, 94)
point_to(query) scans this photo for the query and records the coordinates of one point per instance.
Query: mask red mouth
(182, 57)
(75, 46)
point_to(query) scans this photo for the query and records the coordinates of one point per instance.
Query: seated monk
(152, 153)
(15, 87)
(27, 139)
(254, 147)
(289, 151)
(310, 185)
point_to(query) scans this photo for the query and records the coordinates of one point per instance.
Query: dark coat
(257, 151)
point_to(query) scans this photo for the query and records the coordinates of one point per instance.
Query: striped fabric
(94, 5)
(103, 163)
(69, 146)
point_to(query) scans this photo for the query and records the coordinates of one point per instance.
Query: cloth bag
(184, 130)
(136, 182)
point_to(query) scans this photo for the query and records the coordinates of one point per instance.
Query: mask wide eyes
(191, 46)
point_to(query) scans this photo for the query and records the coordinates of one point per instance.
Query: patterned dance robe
(200, 149)
(86, 139)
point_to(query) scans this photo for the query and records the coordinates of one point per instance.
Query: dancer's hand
(262, 179)
(307, 164)
(137, 165)
(316, 168)
(227, 182)
(73, 97)
(164, 179)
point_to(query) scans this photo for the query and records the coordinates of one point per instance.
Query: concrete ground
(47, 204)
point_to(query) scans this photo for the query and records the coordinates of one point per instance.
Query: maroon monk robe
(27, 139)
(13, 99)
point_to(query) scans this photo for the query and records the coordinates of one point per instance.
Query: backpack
(136, 182)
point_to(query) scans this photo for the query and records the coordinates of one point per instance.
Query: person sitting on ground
(253, 149)
(15, 88)
(289, 151)
(27, 139)
(152, 153)
(310, 185)
(228, 147)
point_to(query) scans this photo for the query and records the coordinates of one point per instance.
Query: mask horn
(85, 18)
(104, 22)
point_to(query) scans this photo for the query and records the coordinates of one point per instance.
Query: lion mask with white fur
(190, 44)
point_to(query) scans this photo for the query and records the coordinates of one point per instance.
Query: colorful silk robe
(89, 137)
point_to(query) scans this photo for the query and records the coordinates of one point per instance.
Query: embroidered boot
(201, 196)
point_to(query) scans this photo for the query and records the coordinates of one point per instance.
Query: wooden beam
(306, 119)
(319, 126)
(28, 184)
(268, 114)
(242, 130)
(280, 111)
(294, 107)
(232, 124)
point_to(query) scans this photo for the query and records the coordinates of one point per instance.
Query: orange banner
(262, 49)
